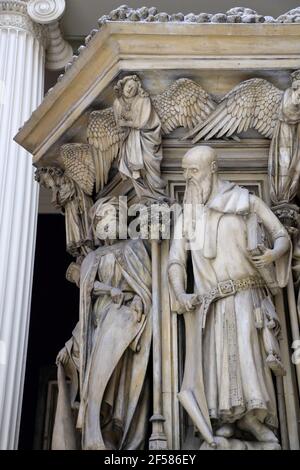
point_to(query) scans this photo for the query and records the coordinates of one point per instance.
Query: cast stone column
(22, 57)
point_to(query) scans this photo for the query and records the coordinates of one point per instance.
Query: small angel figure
(71, 192)
(258, 104)
(140, 152)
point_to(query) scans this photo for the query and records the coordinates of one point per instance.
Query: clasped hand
(188, 302)
(265, 259)
(137, 307)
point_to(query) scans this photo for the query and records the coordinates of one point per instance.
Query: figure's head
(296, 87)
(50, 178)
(130, 86)
(105, 215)
(199, 168)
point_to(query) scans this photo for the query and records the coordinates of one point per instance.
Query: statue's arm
(70, 349)
(101, 289)
(177, 278)
(181, 301)
(177, 260)
(279, 235)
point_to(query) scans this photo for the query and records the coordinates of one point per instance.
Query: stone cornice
(133, 47)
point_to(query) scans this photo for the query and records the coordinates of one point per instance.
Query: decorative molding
(248, 50)
(126, 14)
(292, 16)
(13, 14)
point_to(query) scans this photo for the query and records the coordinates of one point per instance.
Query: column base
(158, 439)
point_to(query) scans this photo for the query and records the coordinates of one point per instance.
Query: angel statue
(107, 356)
(257, 104)
(131, 131)
(71, 192)
(140, 152)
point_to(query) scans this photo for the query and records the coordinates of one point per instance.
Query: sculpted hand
(116, 295)
(97, 290)
(268, 257)
(188, 302)
(137, 307)
(62, 357)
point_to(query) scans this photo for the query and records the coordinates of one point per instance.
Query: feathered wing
(105, 138)
(253, 104)
(79, 165)
(183, 104)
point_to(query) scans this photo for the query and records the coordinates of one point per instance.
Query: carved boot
(259, 430)
(275, 364)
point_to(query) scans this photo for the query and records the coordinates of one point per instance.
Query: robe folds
(110, 349)
(225, 363)
(141, 149)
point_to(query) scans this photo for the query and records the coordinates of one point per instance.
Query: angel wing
(253, 104)
(105, 138)
(79, 165)
(183, 104)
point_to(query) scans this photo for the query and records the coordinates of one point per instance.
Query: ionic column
(22, 57)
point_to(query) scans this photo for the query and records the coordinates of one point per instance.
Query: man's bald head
(204, 158)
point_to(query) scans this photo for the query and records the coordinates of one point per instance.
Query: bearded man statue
(231, 325)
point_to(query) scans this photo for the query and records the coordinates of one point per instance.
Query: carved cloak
(102, 350)
(141, 149)
(118, 332)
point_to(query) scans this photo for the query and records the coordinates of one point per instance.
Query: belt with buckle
(225, 289)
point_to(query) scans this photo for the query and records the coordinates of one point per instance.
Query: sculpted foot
(226, 430)
(260, 431)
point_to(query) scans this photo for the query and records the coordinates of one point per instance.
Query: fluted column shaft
(22, 58)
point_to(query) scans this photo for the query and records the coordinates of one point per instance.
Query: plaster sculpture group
(229, 257)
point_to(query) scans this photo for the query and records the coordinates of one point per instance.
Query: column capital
(41, 19)
(13, 14)
(46, 11)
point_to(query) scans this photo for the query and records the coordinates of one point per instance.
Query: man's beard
(196, 193)
(195, 196)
